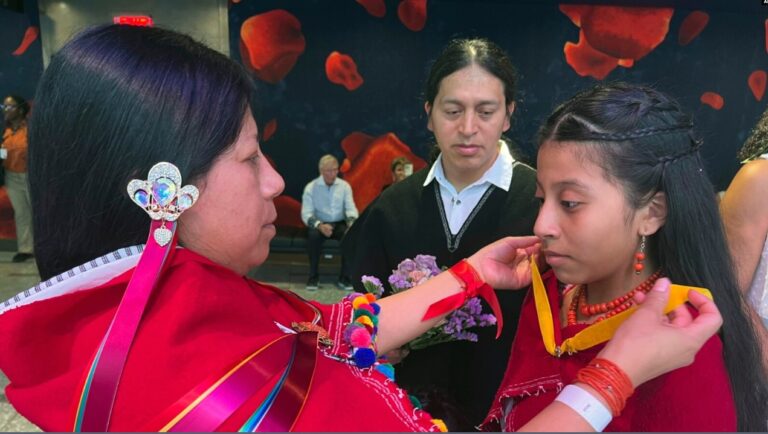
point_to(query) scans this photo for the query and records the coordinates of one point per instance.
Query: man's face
(330, 171)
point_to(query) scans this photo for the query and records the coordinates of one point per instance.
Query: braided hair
(757, 142)
(643, 140)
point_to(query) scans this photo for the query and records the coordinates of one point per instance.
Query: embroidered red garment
(695, 398)
(201, 319)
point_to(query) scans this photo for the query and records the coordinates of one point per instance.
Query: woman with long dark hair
(624, 201)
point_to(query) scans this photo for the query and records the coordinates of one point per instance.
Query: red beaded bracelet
(610, 381)
(473, 286)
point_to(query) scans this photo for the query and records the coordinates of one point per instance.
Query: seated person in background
(328, 210)
(401, 168)
(745, 213)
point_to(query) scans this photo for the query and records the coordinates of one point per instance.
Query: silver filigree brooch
(163, 197)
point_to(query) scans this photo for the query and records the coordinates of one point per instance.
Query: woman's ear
(655, 214)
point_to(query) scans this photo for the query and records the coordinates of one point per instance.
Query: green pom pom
(415, 401)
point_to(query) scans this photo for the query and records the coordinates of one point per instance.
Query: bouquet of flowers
(412, 272)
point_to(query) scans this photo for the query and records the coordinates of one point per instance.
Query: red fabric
(695, 398)
(201, 319)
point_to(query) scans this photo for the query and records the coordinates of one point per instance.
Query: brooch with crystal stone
(163, 197)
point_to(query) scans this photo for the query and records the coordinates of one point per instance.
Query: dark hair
(643, 140)
(460, 53)
(114, 101)
(398, 161)
(21, 104)
(757, 142)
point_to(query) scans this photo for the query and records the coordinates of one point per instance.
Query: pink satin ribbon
(116, 344)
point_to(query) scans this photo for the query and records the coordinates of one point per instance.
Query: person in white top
(328, 209)
(745, 215)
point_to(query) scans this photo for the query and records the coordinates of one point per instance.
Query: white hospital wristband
(586, 405)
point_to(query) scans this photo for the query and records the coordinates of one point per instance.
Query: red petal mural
(626, 32)
(377, 8)
(7, 224)
(29, 37)
(342, 69)
(370, 159)
(587, 61)
(269, 130)
(756, 81)
(413, 14)
(574, 12)
(270, 44)
(713, 100)
(692, 25)
(288, 212)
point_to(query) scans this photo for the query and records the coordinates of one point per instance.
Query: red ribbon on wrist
(473, 286)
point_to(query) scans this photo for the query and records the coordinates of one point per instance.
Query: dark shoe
(21, 257)
(344, 284)
(313, 284)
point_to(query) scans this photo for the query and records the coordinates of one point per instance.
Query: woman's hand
(504, 264)
(650, 343)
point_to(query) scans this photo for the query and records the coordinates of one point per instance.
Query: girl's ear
(654, 214)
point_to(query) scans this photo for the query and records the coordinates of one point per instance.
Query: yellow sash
(596, 333)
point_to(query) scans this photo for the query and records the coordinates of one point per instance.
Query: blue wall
(314, 115)
(19, 74)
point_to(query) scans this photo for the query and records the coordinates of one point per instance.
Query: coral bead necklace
(610, 308)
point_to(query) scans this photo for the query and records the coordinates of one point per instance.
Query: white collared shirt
(325, 203)
(458, 205)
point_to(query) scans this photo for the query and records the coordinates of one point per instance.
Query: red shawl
(695, 398)
(200, 321)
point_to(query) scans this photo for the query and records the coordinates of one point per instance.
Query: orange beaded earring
(640, 256)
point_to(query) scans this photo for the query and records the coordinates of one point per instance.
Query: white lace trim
(88, 275)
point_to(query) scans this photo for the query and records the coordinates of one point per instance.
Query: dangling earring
(640, 256)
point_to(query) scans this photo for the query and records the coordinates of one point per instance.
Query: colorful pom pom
(386, 369)
(360, 338)
(351, 327)
(415, 402)
(358, 301)
(359, 312)
(367, 307)
(376, 308)
(440, 425)
(370, 297)
(364, 357)
(364, 320)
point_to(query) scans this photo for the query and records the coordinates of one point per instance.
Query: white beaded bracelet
(586, 405)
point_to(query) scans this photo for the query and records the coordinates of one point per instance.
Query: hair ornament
(162, 196)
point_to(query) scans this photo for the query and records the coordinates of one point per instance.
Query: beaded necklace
(610, 308)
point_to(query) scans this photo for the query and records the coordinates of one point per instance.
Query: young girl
(625, 200)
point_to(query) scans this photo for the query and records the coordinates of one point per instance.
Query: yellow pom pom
(365, 321)
(440, 425)
(359, 300)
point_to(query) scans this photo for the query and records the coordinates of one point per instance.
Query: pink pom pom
(360, 338)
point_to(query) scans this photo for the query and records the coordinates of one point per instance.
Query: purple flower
(412, 272)
(373, 285)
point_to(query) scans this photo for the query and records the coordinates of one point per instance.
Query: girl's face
(589, 232)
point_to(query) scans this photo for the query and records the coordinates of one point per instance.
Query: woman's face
(588, 231)
(232, 222)
(11, 110)
(399, 173)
